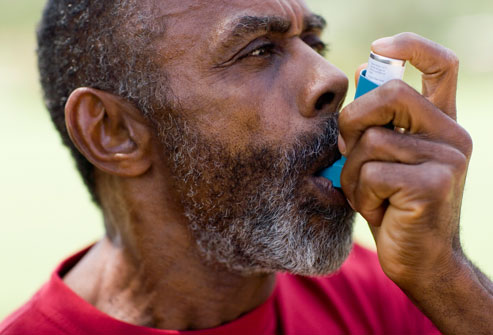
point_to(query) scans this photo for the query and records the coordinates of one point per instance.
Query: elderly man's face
(254, 119)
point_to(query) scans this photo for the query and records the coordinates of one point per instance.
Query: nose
(323, 86)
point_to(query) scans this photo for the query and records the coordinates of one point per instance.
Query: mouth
(324, 162)
(322, 187)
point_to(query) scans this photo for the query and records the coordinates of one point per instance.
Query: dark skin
(151, 274)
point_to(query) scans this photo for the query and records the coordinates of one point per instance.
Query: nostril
(325, 99)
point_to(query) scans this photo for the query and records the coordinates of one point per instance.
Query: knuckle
(459, 162)
(440, 181)
(369, 172)
(406, 37)
(420, 209)
(452, 59)
(397, 86)
(393, 90)
(372, 139)
(467, 144)
(461, 140)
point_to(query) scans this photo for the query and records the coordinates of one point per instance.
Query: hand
(409, 186)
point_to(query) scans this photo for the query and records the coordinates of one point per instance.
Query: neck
(153, 276)
(166, 295)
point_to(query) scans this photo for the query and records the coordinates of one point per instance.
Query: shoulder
(47, 312)
(26, 318)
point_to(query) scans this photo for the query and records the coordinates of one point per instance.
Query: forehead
(220, 10)
(211, 19)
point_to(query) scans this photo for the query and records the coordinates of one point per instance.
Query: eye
(259, 52)
(316, 44)
(264, 50)
(321, 48)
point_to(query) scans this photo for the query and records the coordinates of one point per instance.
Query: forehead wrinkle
(245, 26)
(248, 25)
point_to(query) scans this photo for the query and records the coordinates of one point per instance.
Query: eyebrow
(246, 26)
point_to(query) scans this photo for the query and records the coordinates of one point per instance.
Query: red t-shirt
(358, 299)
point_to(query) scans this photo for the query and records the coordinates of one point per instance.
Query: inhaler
(379, 71)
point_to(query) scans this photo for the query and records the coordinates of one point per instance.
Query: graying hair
(107, 45)
(245, 211)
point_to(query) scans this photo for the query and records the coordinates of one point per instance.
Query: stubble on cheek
(248, 211)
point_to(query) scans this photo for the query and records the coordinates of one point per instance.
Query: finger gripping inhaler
(379, 71)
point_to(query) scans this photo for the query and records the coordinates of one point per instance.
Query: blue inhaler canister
(379, 71)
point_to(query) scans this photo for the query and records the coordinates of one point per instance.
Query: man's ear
(109, 131)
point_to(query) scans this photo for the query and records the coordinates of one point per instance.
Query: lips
(322, 187)
(324, 184)
(326, 194)
(325, 162)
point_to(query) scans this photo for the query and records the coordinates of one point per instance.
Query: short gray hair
(107, 45)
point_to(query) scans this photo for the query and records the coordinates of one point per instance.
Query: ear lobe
(109, 131)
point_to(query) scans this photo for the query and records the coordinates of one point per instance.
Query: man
(199, 128)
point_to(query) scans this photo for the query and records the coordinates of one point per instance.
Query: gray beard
(247, 211)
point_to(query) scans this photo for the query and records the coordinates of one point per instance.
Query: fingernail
(351, 204)
(341, 144)
(382, 42)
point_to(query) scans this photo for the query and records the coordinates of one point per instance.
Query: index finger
(397, 103)
(438, 64)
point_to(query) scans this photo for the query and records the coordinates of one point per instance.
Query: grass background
(46, 214)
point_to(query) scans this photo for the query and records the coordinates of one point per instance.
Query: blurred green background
(46, 214)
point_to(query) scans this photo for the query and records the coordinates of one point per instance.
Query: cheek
(229, 117)
(277, 105)
(267, 109)
(251, 109)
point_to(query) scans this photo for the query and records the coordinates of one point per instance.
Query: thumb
(438, 64)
